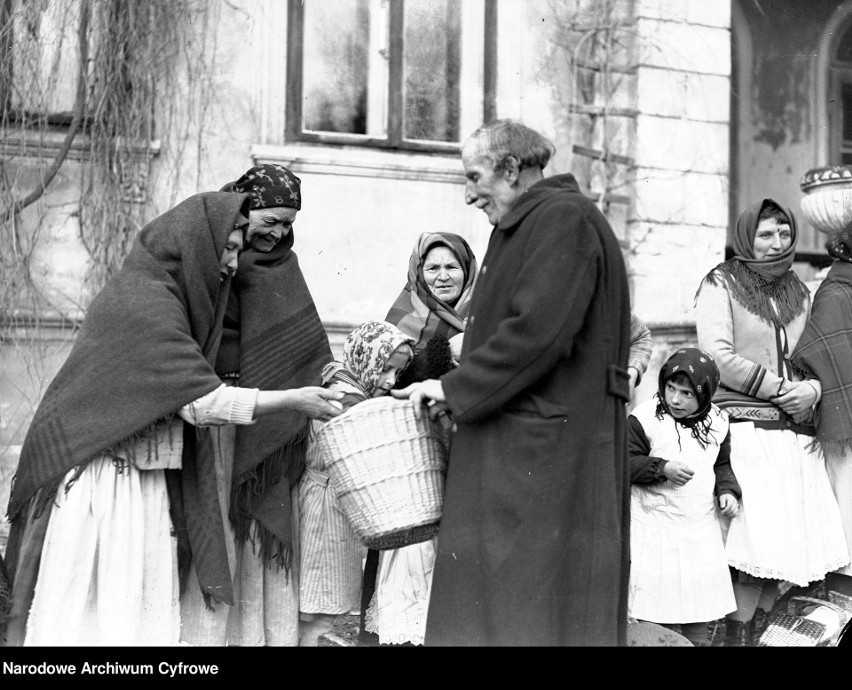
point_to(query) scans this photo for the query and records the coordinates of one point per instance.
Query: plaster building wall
(781, 113)
(364, 208)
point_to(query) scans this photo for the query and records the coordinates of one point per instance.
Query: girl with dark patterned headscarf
(825, 351)
(703, 376)
(679, 571)
(750, 313)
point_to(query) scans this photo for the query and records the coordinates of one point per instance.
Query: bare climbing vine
(87, 92)
(596, 41)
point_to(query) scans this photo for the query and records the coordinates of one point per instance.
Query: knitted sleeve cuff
(242, 406)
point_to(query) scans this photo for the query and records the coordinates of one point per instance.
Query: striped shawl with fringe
(824, 351)
(281, 344)
(146, 348)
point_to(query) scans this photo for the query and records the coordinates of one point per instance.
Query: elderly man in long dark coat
(533, 547)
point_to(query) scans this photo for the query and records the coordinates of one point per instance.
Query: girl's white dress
(397, 612)
(679, 571)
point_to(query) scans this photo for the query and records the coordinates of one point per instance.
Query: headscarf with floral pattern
(365, 353)
(703, 374)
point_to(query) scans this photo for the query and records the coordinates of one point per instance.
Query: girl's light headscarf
(365, 353)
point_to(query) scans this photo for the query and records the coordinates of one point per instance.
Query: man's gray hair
(501, 139)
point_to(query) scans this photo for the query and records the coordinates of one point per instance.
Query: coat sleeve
(726, 480)
(644, 468)
(641, 345)
(549, 296)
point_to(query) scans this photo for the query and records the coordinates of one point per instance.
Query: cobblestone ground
(344, 633)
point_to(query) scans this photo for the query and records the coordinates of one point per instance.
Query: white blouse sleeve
(224, 405)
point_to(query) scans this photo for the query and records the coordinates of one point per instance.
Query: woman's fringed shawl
(282, 345)
(146, 349)
(416, 311)
(824, 351)
(756, 284)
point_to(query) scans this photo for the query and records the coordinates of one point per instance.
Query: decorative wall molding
(32, 144)
(358, 162)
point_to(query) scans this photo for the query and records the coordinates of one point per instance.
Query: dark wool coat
(534, 540)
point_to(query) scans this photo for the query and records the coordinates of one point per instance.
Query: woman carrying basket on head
(374, 356)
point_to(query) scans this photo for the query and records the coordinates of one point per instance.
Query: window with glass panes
(406, 74)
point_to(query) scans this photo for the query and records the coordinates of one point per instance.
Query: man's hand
(427, 394)
(633, 372)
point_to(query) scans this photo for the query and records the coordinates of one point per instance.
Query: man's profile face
(486, 188)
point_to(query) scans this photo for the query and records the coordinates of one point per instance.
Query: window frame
(841, 75)
(293, 130)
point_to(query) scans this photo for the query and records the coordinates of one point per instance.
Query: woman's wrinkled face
(231, 254)
(443, 274)
(680, 399)
(771, 239)
(394, 366)
(268, 226)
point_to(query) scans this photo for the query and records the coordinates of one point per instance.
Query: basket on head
(387, 469)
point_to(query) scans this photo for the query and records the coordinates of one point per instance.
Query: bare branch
(79, 110)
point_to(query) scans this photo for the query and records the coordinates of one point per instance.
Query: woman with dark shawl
(824, 352)
(750, 312)
(114, 487)
(272, 339)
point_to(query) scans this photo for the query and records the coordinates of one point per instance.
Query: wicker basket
(387, 470)
(807, 622)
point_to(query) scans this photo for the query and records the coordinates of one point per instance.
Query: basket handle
(818, 602)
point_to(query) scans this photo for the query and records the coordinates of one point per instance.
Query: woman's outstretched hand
(428, 394)
(314, 401)
(318, 403)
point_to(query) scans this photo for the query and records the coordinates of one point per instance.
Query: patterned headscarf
(417, 311)
(757, 283)
(367, 350)
(703, 374)
(840, 245)
(269, 185)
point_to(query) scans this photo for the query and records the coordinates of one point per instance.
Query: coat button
(482, 271)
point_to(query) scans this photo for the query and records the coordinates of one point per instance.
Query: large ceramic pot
(827, 204)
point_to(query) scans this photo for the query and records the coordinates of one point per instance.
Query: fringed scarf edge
(124, 450)
(287, 463)
(754, 292)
